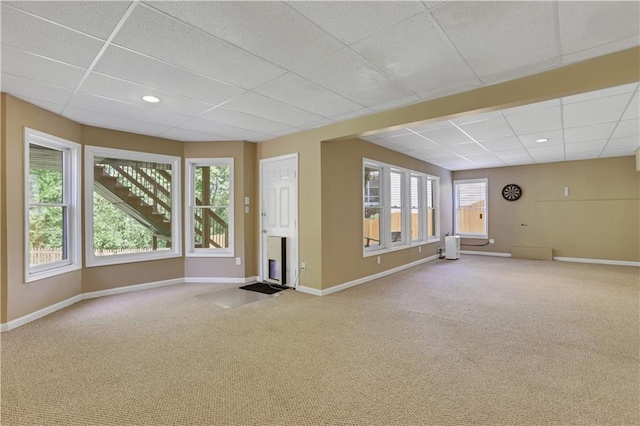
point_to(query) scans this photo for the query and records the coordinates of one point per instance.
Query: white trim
(597, 261)
(176, 210)
(363, 280)
(220, 280)
(485, 253)
(71, 175)
(130, 288)
(295, 266)
(189, 196)
(456, 184)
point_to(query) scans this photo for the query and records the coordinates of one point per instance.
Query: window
(398, 210)
(372, 206)
(52, 205)
(209, 207)
(132, 206)
(471, 208)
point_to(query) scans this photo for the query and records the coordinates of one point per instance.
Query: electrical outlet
(378, 260)
(238, 261)
(303, 266)
(420, 249)
(492, 241)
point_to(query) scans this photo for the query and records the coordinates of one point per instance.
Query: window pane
(471, 208)
(371, 186)
(416, 223)
(212, 185)
(211, 228)
(45, 175)
(396, 207)
(431, 212)
(47, 234)
(132, 206)
(372, 226)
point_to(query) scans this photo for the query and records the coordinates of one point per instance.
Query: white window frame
(189, 203)
(92, 260)
(71, 200)
(422, 216)
(456, 201)
(385, 204)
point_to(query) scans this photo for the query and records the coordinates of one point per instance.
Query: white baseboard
(130, 288)
(109, 292)
(368, 278)
(309, 290)
(485, 253)
(598, 261)
(220, 280)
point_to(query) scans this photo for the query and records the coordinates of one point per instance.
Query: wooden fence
(372, 226)
(470, 221)
(40, 256)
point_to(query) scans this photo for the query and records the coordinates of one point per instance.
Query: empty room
(320, 213)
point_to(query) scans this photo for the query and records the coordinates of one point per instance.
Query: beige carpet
(475, 341)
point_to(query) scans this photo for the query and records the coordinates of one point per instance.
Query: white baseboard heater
(277, 260)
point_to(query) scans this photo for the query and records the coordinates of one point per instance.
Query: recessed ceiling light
(151, 99)
(542, 140)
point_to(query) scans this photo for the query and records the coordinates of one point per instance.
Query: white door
(279, 211)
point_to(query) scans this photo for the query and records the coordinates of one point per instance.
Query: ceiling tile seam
(129, 119)
(455, 48)
(52, 22)
(556, 29)
(617, 124)
(143, 107)
(437, 144)
(249, 114)
(474, 139)
(562, 128)
(43, 57)
(106, 44)
(152, 88)
(517, 136)
(599, 98)
(200, 30)
(597, 46)
(375, 33)
(39, 82)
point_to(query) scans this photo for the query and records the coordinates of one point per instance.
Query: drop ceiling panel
(585, 25)
(447, 136)
(24, 88)
(20, 63)
(503, 144)
(349, 75)
(261, 106)
(619, 152)
(148, 31)
(427, 64)
(584, 147)
(596, 111)
(190, 136)
(555, 138)
(536, 121)
(44, 38)
(467, 149)
(627, 142)
(295, 90)
(495, 37)
(582, 155)
(315, 124)
(538, 152)
(516, 154)
(95, 18)
(495, 128)
(244, 121)
(410, 142)
(522, 162)
(226, 132)
(531, 107)
(408, 100)
(627, 128)
(434, 153)
(347, 115)
(49, 106)
(424, 127)
(110, 122)
(278, 33)
(105, 86)
(352, 21)
(130, 66)
(633, 110)
(588, 133)
(125, 110)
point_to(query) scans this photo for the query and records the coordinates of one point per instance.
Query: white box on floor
(452, 247)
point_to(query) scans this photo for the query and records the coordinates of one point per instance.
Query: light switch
(246, 201)
(566, 191)
(246, 209)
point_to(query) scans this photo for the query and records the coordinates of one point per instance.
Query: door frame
(296, 250)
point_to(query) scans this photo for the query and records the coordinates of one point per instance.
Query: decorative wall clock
(511, 192)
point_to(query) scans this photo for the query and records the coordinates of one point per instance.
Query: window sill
(118, 259)
(209, 254)
(397, 248)
(48, 273)
(473, 237)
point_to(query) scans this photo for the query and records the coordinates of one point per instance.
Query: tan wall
(23, 298)
(3, 223)
(250, 230)
(243, 178)
(309, 213)
(598, 220)
(342, 221)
